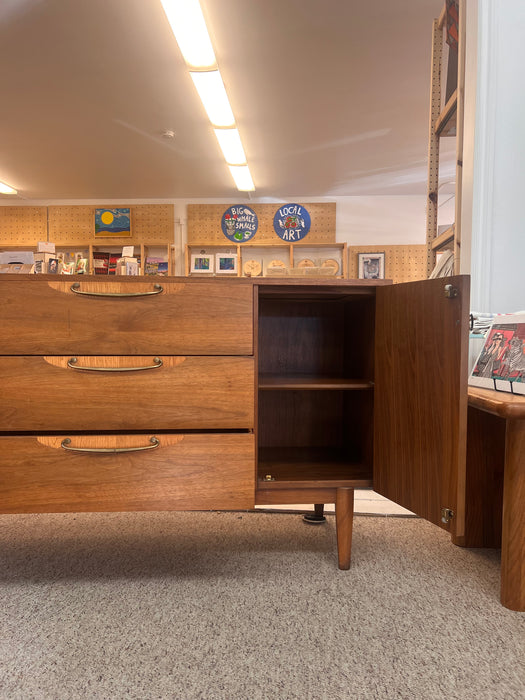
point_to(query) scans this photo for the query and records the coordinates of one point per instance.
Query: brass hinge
(446, 515)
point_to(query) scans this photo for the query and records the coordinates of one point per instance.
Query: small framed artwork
(112, 223)
(225, 263)
(201, 263)
(500, 365)
(371, 266)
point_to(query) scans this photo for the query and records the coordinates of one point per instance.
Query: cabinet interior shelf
(302, 381)
(303, 466)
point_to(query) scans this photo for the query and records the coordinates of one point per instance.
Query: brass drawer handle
(155, 442)
(72, 363)
(157, 289)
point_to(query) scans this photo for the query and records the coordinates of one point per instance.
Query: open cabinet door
(420, 398)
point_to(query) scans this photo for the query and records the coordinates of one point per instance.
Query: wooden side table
(503, 430)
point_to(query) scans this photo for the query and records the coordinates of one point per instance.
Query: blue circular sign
(292, 222)
(239, 223)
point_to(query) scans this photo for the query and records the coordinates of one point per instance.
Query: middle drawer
(126, 393)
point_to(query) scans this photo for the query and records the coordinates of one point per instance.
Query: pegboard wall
(23, 226)
(403, 263)
(75, 225)
(204, 223)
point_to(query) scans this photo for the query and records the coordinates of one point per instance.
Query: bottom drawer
(55, 474)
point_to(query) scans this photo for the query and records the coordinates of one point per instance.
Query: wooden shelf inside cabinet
(302, 467)
(276, 382)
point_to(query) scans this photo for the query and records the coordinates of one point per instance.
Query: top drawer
(166, 316)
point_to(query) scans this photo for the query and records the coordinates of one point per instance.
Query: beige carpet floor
(241, 606)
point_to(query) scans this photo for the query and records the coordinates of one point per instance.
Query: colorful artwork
(225, 263)
(501, 363)
(112, 223)
(239, 223)
(292, 222)
(202, 263)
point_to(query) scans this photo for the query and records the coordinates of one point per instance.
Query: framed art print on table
(371, 266)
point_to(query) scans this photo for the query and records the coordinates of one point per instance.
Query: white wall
(498, 211)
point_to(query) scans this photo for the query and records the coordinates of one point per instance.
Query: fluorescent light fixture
(188, 26)
(231, 146)
(5, 189)
(243, 179)
(213, 96)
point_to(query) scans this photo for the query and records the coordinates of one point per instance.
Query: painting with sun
(112, 223)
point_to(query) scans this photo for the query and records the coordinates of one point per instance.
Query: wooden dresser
(126, 395)
(183, 393)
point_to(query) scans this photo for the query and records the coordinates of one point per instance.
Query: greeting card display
(501, 362)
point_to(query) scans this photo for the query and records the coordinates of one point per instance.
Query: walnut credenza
(192, 394)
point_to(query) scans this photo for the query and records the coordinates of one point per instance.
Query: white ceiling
(331, 98)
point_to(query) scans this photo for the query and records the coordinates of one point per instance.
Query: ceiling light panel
(5, 189)
(188, 26)
(231, 146)
(242, 177)
(213, 96)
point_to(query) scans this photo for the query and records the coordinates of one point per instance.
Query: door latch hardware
(446, 515)
(450, 291)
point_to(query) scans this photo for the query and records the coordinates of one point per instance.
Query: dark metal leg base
(317, 517)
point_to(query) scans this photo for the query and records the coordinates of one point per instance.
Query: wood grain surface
(186, 472)
(44, 394)
(41, 317)
(421, 398)
(513, 526)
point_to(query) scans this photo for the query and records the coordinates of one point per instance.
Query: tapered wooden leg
(513, 525)
(344, 517)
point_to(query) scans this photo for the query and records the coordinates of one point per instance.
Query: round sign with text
(239, 223)
(291, 222)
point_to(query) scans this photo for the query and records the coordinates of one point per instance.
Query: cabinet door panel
(169, 317)
(421, 397)
(111, 393)
(99, 473)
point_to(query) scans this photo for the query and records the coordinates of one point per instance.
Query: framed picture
(201, 263)
(226, 263)
(501, 363)
(371, 266)
(112, 223)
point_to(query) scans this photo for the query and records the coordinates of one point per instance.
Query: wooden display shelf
(297, 467)
(444, 239)
(301, 381)
(446, 122)
(289, 251)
